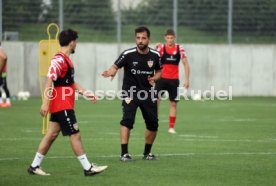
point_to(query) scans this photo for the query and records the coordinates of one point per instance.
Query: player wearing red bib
(61, 72)
(171, 54)
(3, 79)
(3, 59)
(59, 95)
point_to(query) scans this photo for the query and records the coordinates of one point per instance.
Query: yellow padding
(47, 49)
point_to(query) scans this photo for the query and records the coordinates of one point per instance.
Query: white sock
(84, 162)
(8, 100)
(37, 159)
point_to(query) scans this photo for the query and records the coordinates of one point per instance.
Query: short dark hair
(170, 32)
(66, 36)
(142, 29)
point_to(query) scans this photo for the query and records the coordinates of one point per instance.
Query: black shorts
(1, 81)
(148, 109)
(67, 121)
(170, 85)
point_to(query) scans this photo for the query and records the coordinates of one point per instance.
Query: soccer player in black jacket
(141, 69)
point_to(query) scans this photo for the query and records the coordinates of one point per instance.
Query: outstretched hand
(107, 74)
(92, 97)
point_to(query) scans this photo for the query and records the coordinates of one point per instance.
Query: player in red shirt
(171, 54)
(59, 98)
(3, 79)
(4, 86)
(3, 59)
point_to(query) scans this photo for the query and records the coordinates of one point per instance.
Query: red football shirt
(170, 71)
(63, 97)
(4, 69)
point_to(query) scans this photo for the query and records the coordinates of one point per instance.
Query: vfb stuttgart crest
(150, 63)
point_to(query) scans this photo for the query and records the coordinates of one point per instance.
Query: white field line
(61, 138)
(231, 140)
(196, 136)
(160, 155)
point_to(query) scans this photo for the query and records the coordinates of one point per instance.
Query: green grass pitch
(217, 143)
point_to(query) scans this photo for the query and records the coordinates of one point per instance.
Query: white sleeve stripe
(154, 51)
(129, 51)
(54, 75)
(56, 62)
(182, 51)
(57, 67)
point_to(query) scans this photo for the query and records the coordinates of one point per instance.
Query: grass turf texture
(217, 143)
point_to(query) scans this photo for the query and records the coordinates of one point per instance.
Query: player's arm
(44, 109)
(157, 75)
(186, 67)
(53, 73)
(158, 46)
(86, 93)
(119, 63)
(187, 73)
(158, 72)
(3, 59)
(111, 72)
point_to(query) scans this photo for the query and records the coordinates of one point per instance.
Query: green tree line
(91, 13)
(249, 16)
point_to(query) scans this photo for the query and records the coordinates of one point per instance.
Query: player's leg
(124, 135)
(149, 112)
(7, 92)
(172, 117)
(124, 138)
(1, 100)
(1, 84)
(69, 127)
(89, 169)
(127, 122)
(49, 138)
(76, 144)
(77, 147)
(172, 89)
(149, 137)
(43, 148)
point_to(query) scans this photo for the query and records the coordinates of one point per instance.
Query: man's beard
(142, 47)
